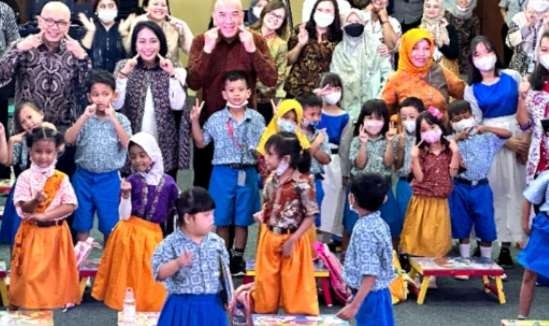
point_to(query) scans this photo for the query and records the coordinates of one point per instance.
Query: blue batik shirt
(370, 253)
(478, 152)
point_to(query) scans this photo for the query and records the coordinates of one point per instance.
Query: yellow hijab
(272, 128)
(407, 43)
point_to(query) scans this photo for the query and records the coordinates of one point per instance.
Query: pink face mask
(373, 127)
(431, 136)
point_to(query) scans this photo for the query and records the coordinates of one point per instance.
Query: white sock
(465, 250)
(486, 252)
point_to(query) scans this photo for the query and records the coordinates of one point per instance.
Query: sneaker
(238, 266)
(505, 260)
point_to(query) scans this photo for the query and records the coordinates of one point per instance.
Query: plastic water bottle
(239, 315)
(128, 310)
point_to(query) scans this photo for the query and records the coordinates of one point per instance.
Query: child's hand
(18, 138)
(320, 138)
(287, 247)
(392, 132)
(348, 312)
(258, 216)
(196, 110)
(110, 112)
(38, 217)
(185, 259)
(274, 106)
(40, 196)
(90, 110)
(125, 189)
(415, 150)
(362, 134)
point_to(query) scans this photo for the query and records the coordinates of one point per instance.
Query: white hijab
(436, 25)
(150, 146)
(459, 12)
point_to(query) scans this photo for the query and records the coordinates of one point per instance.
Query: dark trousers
(507, 51)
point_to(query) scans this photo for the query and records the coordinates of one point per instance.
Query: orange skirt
(126, 263)
(44, 273)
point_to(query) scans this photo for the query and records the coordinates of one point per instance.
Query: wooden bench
(428, 267)
(321, 274)
(269, 320)
(21, 317)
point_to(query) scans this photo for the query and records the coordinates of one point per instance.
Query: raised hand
(274, 106)
(196, 110)
(362, 134)
(126, 24)
(88, 23)
(415, 150)
(166, 65)
(320, 138)
(302, 36)
(392, 132)
(30, 42)
(74, 47)
(210, 39)
(247, 39)
(90, 110)
(129, 66)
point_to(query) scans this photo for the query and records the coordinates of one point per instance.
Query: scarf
(407, 43)
(146, 141)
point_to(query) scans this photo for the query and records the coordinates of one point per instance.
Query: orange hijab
(407, 43)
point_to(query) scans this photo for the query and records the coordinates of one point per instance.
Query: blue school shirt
(370, 253)
(478, 152)
(538, 192)
(334, 125)
(234, 143)
(203, 276)
(499, 99)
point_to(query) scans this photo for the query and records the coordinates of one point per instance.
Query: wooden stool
(321, 274)
(332, 320)
(428, 267)
(87, 272)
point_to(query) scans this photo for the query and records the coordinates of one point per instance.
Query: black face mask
(354, 29)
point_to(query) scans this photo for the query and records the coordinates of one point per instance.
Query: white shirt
(308, 5)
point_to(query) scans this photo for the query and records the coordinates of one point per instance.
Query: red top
(206, 71)
(436, 175)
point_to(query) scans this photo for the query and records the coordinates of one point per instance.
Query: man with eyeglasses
(49, 69)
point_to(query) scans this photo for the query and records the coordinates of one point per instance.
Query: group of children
(440, 181)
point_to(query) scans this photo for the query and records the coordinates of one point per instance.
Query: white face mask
(322, 19)
(332, 98)
(286, 125)
(256, 11)
(463, 124)
(237, 105)
(410, 126)
(485, 63)
(282, 167)
(107, 15)
(544, 60)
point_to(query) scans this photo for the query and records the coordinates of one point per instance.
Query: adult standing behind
(446, 36)
(493, 95)
(49, 68)
(308, 8)
(102, 39)
(383, 27)
(273, 26)
(150, 90)
(460, 15)
(178, 34)
(311, 48)
(356, 60)
(223, 48)
(408, 13)
(508, 10)
(418, 75)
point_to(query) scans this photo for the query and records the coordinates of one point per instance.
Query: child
(336, 121)
(284, 265)
(435, 160)
(320, 148)
(101, 138)
(534, 256)
(368, 265)
(148, 199)
(471, 201)
(27, 117)
(43, 266)
(235, 132)
(188, 260)
(409, 109)
(372, 152)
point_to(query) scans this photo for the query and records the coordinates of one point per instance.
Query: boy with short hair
(235, 132)
(471, 201)
(101, 136)
(368, 268)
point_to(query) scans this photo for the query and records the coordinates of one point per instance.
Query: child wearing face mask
(435, 160)
(471, 201)
(409, 110)
(102, 40)
(372, 152)
(335, 121)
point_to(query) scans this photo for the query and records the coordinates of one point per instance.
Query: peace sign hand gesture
(196, 110)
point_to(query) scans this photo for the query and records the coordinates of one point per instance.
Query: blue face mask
(286, 125)
(311, 124)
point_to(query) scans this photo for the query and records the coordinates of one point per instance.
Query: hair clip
(435, 112)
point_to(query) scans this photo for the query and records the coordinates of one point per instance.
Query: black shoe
(476, 253)
(505, 260)
(404, 260)
(237, 266)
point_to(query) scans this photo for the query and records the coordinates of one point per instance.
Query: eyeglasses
(273, 15)
(50, 22)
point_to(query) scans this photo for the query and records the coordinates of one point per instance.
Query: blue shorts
(472, 205)
(389, 213)
(535, 256)
(319, 190)
(234, 204)
(96, 192)
(376, 309)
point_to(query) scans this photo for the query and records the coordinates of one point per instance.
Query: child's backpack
(330, 261)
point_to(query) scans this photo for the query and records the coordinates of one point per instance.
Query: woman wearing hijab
(356, 60)
(418, 75)
(148, 198)
(460, 15)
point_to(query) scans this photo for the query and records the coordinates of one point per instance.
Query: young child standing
(101, 137)
(372, 152)
(148, 200)
(471, 201)
(235, 132)
(43, 265)
(189, 261)
(408, 110)
(435, 160)
(534, 257)
(284, 263)
(368, 268)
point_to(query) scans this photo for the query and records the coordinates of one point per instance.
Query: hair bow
(435, 112)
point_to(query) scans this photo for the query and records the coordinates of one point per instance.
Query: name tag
(241, 181)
